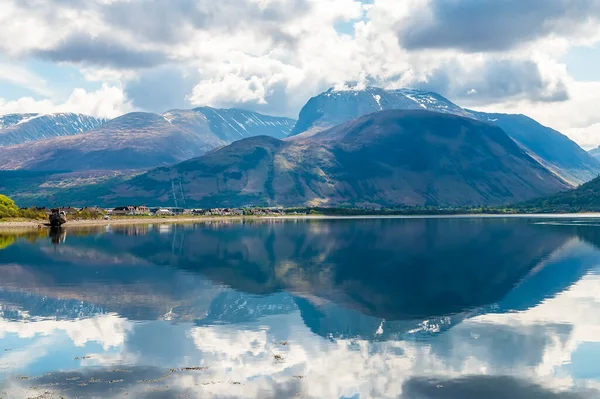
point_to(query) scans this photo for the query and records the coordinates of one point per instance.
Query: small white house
(163, 212)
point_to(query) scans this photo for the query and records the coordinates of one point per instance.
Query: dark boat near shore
(57, 218)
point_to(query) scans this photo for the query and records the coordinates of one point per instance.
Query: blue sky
(582, 63)
(537, 57)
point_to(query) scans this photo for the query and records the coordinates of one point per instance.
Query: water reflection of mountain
(83, 279)
(392, 269)
(345, 276)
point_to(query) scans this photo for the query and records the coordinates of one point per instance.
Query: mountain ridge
(22, 128)
(551, 148)
(204, 128)
(390, 158)
(143, 140)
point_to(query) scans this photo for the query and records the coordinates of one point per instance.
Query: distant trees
(33, 213)
(8, 208)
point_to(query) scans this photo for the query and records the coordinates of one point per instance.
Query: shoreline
(25, 224)
(120, 221)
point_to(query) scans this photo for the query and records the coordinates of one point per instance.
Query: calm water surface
(370, 308)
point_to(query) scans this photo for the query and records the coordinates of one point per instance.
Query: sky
(109, 57)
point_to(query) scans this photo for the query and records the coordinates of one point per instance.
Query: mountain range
(390, 158)
(551, 148)
(140, 140)
(349, 147)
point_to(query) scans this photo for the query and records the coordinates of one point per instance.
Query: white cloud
(586, 137)
(106, 102)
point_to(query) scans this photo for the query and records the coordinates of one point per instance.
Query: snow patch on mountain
(235, 124)
(21, 128)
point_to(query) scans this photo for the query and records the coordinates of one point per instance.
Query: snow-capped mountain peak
(22, 128)
(341, 104)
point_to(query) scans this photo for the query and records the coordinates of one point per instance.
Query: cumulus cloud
(491, 25)
(106, 102)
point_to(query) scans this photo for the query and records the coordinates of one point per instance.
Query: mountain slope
(551, 148)
(230, 125)
(389, 158)
(22, 128)
(143, 140)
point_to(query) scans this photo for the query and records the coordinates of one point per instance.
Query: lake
(351, 308)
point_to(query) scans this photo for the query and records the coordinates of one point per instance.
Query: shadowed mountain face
(389, 158)
(21, 128)
(143, 140)
(551, 148)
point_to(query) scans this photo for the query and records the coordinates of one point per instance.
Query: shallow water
(352, 308)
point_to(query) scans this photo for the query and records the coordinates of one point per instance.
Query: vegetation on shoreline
(8, 208)
(583, 199)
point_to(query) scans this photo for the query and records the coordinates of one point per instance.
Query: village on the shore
(142, 210)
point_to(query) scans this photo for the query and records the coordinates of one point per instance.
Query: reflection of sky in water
(542, 338)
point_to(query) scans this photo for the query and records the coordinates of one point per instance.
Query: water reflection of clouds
(108, 330)
(498, 351)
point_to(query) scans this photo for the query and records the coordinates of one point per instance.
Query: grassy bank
(32, 218)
